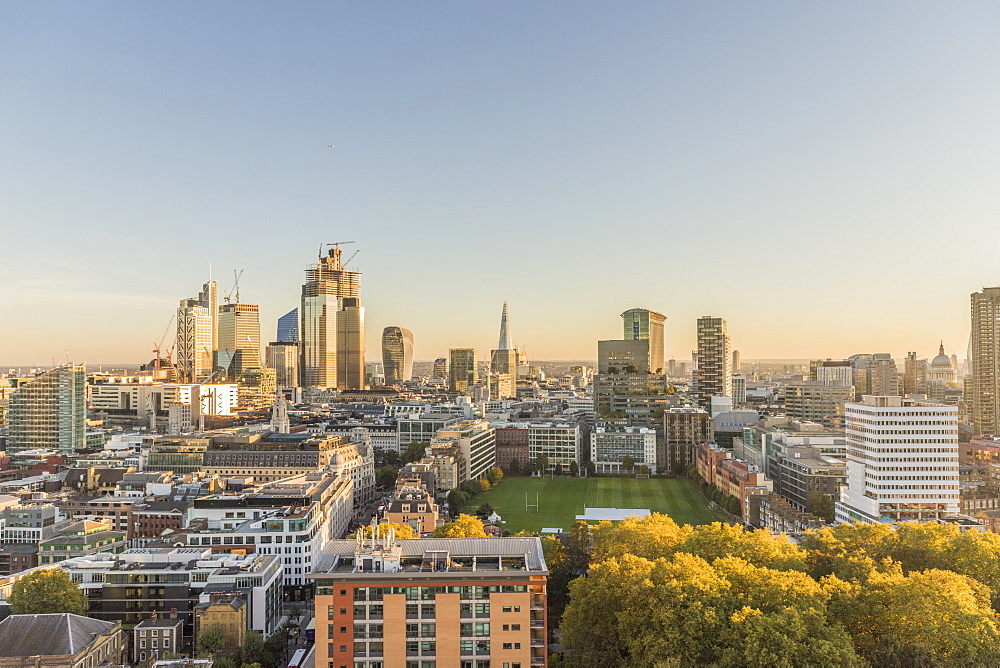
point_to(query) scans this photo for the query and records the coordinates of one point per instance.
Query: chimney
(173, 613)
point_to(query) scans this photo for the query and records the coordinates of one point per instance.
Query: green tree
(643, 469)
(821, 505)
(574, 469)
(457, 500)
(47, 591)
(513, 467)
(385, 476)
(386, 458)
(473, 488)
(628, 463)
(485, 509)
(251, 648)
(465, 526)
(542, 463)
(591, 469)
(212, 639)
(414, 452)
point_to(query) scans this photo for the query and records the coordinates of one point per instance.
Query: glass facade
(49, 411)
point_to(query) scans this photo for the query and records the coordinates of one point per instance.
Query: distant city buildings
(328, 284)
(197, 334)
(640, 324)
(239, 339)
(503, 362)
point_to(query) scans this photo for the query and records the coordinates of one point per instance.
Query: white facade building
(902, 461)
(609, 446)
(561, 442)
(220, 399)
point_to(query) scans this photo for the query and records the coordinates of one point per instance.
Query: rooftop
(49, 635)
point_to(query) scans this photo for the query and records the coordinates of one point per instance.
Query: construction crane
(353, 255)
(236, 287)
(157, 347)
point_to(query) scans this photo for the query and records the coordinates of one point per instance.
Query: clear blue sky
(823, 175)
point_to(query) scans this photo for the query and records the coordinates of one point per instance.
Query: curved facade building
(397, 354)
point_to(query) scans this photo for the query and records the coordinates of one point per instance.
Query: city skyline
(769, 184)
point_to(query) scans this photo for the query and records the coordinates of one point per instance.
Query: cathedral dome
(942, 361)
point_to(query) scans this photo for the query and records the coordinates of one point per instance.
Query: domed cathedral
(942, 379)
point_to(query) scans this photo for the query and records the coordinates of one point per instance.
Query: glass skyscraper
(49, 411)
(288, 327)
(397, 354)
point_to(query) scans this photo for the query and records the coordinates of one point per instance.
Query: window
(515, 627)
(508, 645)
(506, 608)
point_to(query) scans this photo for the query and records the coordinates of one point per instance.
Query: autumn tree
(46, 591)
(465, 526)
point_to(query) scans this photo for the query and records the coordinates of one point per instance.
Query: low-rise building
(463, 602)
(413, 506)
(610, 445)
(476, 441)
(223, 610)
(81, 539)
(156, 637)
(60, 641)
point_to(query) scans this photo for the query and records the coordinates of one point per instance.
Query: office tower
(984, 362)
(902, 461)
(283, 357)
(736, 361)
(713, 376)
(194, 345)
(623, 356)
(503, 362)
(640, 324)
(288, 327)
(914, 375)
(832, 372)
(48, 412)
(351, 345)
(239, 338)
(462, 375)
(440, 371)
(883, 377)
(397, 354)
(327, 284)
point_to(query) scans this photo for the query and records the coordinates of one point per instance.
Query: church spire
(505, 339)
(941, 350)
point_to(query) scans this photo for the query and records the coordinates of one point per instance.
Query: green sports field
(560, 500)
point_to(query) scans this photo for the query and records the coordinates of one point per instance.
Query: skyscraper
(984, 361)
(351, 345)
(194, 341)
(503, 361)
(713, 374)
(462, 373)
(288, 327)
(327, 284)
(641, 324)
(397, 354)
(239, 338)
(49, 411)
(283, 357)
(198, 334)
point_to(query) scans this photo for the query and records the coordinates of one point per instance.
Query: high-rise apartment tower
(984, 361)
(713, 374)
(48, 412)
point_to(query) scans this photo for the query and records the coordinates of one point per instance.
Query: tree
(414, 452)
(472, 487)
(821, 505)
(386, 458)
(574, 469)
(497, 474)
(212, 639)
(591, 469)
(382, 529)
(628, 463)
(485, 509)
(457, 499)
(252, 647)
(542, 462)
(513, 467)
(465, 526)
(558, 469)
(47, 591)
(643, 469)
(385, 476)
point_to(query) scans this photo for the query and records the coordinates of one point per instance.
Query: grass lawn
(560, 500)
